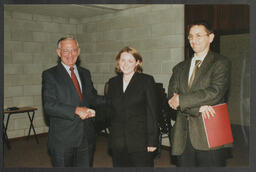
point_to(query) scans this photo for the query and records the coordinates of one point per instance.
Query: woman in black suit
(132, 98)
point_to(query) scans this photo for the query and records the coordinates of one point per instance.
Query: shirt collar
(200, 58)
(68, 67)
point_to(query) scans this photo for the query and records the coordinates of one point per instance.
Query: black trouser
(73, 157)
(197, 158)
(121, 158)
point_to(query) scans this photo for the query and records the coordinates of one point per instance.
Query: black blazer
(60, 99)
(134, 113)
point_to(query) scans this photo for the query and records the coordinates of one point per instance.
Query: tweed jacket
(210, 87)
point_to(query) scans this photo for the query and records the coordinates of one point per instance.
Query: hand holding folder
(218, 128)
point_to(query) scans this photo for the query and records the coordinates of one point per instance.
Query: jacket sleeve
(220, 79)
(151, 105)
(52, 106)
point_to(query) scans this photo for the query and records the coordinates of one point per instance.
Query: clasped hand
(174, 101)
(84, 112)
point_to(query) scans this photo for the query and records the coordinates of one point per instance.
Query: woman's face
(127, 63)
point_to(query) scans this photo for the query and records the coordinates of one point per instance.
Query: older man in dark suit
(195, 85)
(68, 94)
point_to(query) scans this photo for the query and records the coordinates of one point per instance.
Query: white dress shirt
(193, 61)
(76, 73)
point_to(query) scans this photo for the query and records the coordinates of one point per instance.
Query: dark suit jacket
(210, 87)
(60, 99)
(134, 114)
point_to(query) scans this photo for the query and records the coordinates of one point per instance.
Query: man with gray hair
(68, 93)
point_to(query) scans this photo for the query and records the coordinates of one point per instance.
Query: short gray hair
(67, 37)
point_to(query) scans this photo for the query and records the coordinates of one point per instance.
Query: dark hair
(135, 54)
(204, 23)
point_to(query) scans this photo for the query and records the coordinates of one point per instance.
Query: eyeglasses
(66, 51)
(197, 36)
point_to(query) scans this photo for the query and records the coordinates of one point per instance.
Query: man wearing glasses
(195, 85)
(68, 94)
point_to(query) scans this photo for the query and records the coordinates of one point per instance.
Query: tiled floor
(25, 153)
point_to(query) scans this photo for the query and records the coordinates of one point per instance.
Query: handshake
(84, 112)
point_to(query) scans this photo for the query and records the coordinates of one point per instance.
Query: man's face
(199, 39)
(68, 52)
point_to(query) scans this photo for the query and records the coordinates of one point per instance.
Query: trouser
(74, 157)
(196, 158)
(121, 158)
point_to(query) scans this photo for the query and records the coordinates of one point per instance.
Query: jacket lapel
(131, 83)
(185, 75)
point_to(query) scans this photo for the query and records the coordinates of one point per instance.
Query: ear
(58, 52)
(211, 36)
(78, 52)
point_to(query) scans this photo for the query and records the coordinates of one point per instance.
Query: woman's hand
(151, 149)
(207, 111)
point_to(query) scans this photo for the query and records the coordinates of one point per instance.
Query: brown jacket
(210, 87)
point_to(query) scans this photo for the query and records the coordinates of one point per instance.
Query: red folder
(217, 128)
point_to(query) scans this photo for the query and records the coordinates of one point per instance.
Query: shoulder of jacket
(50, 70)
(220, 58)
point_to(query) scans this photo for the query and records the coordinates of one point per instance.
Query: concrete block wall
(29, 48)
(237, 48)
(156, 31)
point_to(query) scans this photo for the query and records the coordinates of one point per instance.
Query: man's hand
(151, 149)
(207, 111)
(84, 112)
(174, 102)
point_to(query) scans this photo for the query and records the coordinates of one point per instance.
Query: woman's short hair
(134, 53)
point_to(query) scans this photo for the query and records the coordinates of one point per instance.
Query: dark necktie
(198, 62)
(75, 82)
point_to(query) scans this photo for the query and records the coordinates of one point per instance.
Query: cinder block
(13, 46)
(37, 100)
(56, 19)
(79, 28)
(138, 33)
(156, 7)
(73, 21)
(67, 28)
(99, 68)
(15, 133)
(33, 47)
(21, 123)
(177, 54)
(19, 15)
(32, 90)
(13, 69)
(152, 68)
(7, 57)
(23, 101)
(51, 27)
(40, 36)
(38, 18)
(163, 29)
(33, 26)
(33, 69)
(21, 36)
(7, 36)
(8, 102)
(160, 55)
(33, 79)
(22, 58)
(112, 35)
